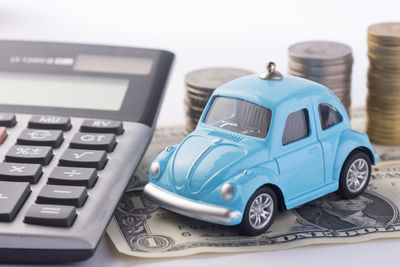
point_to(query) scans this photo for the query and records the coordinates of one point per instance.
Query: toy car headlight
(155, 169)
(227, 191)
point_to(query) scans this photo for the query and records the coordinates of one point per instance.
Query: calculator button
(84, 158)
(3, 134)
(30, 154)
(51, 215)
(102, 126)
(73, 176)
(12, 197)
(7, 120)
(50, 122)
(51, 138)
(17, 172)
(62, 195)
(105, 142)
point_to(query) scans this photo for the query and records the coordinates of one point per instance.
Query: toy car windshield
(239, 116)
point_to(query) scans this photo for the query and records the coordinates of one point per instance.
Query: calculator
(75, 120)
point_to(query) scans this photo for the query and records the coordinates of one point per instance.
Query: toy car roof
(271, 93)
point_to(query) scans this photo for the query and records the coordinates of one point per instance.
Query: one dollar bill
(139, 228)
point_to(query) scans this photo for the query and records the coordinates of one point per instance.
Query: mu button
(50, 122)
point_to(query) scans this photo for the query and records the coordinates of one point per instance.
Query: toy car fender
(252, 179)
(350, 141)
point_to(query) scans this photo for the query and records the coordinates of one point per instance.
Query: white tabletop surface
(210, 33)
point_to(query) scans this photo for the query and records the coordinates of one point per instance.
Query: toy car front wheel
(260, 212)
(355, 174)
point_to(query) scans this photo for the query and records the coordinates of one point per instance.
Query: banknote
(140, 228)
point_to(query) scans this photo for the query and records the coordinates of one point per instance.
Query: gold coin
(385, 33)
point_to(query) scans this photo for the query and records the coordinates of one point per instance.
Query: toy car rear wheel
(260, 211)
(355, 175)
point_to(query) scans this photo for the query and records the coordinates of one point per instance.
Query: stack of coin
(383, 101)
(327, 63)
(200, 84)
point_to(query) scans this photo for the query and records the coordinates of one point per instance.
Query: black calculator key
(62, 195)
(95, 141)
(73, 176)
(30, 154)
(12, 197)
(84, 158)
(7, 120)
(36, 137)
(51, 215)
(50, 122)
(102, 126)
(18, 172)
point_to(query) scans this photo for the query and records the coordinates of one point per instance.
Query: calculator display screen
(65, 91)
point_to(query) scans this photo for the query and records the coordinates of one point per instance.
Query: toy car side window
(296, 127)
(328, 115)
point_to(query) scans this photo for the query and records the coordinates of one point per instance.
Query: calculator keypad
(51, 215)
(84, 158)
(12, 197)
(94, 141)
(63, 195)
(67, 185)
(102, 126)
(50, 122)
(18, 172)
(30, 154)
(34, 137)
(73, 176)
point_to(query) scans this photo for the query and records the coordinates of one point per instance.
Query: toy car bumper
(190, 207)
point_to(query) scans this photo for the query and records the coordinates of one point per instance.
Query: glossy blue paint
(198, 167)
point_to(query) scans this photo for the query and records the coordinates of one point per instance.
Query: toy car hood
(202, 162)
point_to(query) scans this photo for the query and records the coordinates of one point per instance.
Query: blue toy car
(264, 143)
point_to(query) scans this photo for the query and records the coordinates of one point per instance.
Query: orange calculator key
(3, 134)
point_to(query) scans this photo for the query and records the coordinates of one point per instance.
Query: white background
(206, 33)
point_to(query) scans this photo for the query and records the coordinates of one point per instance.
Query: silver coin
(211, 78)
(339, 69)
(195, 101)
(320, 52)
(199, 92)
(328, 81)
